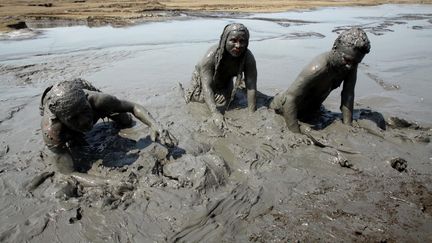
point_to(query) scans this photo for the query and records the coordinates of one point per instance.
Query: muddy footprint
(399, 164)
(78, 216)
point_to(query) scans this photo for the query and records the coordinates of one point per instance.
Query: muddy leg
(194, 93)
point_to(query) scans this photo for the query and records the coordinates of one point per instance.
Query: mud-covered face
(349, 57)
(236, 43)
(80, 120)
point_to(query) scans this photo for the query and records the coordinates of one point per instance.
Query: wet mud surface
(254, 182)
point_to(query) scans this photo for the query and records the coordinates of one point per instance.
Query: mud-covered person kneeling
(69, 109)
(212, 79)
(325, 73)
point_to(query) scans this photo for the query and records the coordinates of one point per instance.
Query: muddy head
(236, 39)
(69, 104)
(233, 42)
(350, 47)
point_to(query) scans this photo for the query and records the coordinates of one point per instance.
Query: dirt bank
(13, 14)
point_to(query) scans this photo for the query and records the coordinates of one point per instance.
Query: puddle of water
(164, 53)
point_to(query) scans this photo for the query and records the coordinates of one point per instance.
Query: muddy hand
(219, 120)
(164, 137)
(304, 136)
(219, 99)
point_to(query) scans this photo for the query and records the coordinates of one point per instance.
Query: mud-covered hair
(61, 97)
(66, 98)
(222, 42)
(353, 38)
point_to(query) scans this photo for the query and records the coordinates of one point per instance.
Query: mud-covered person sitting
(325, 73)
(71, 108)
(212, 79)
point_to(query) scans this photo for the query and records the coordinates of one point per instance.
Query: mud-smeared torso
(230, 68)
(317, 95)
(320, 80)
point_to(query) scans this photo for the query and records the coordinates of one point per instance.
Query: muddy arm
(294, 95)
(302, 89)
(289, 111)
(110, 103)
(299, 90)
(206, 80)
(347, 99)
(251, 81)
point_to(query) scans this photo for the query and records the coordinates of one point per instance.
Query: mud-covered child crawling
(70, 108)
(325, 73)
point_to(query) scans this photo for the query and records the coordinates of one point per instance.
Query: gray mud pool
(257, 182)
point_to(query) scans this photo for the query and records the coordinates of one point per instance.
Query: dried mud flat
(257, 182)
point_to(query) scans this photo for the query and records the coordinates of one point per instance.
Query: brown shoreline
(120, 13)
